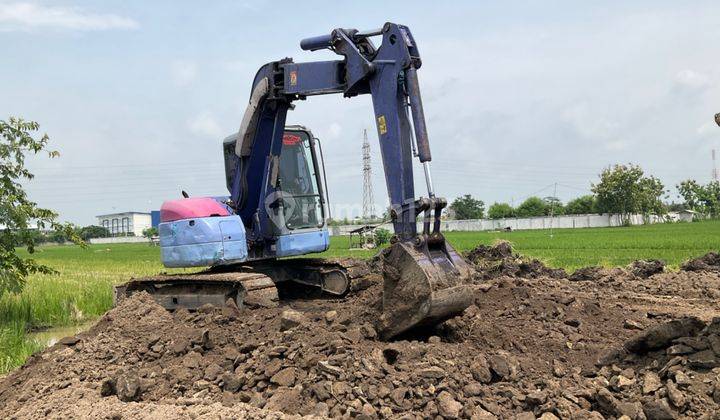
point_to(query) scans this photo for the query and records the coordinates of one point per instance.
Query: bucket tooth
(422, 287)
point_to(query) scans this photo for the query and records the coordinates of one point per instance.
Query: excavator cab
(295, 204)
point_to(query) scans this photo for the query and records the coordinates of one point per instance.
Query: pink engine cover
(188, 208)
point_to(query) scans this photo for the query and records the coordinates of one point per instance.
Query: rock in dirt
(662, 335)
(447, 406)
(232, 382)
(658, 409)
(607, 402)
(331, 316)
(702, 360)
(107, 387)
(676, 397)
(630, 324)
(291, 319)
(651, 382)
(480, 370)
(500, 367)
(536, 398)
(646, 268)
(587, 274)
(433, 372)
(285, 377)
(69, 341)
(127, 387)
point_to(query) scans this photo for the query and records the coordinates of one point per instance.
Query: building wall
(140, 223)
(125, 223)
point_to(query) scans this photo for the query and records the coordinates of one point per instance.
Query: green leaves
(467, 207)
(624, 189)
(21, 218)
(500, 211)
(581, 205)
(704, 199)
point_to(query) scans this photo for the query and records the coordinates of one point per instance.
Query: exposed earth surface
(638, 342)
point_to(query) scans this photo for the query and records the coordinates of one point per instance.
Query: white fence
(529, 223)
(525, 223)
(120, 240)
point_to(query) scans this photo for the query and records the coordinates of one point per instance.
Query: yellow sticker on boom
(382, 125)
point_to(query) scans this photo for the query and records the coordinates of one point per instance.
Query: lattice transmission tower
(368, 201)
(715, 174)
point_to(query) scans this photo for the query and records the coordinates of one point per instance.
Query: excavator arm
(425, 279)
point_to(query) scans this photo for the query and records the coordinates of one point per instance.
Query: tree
(500, 211)
(581, 205)
(467, 207)
(92, 231)
(624, 189)
(704, 199)
(150, 232)
(532, 207)
(21, 218)
(553, 206)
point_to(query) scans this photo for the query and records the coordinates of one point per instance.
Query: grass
(83, 289)
(575, 248)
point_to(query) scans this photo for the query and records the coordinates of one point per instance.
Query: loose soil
(635, 342)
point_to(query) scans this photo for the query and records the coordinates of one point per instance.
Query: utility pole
(368, 201)
(715, 174)
(552, 210)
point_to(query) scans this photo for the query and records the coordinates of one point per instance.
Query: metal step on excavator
(277, 203)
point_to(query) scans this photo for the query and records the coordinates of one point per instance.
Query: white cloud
(183, 72)
(206, 125)
(23, 16)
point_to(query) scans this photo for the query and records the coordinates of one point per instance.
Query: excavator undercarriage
(252, 285)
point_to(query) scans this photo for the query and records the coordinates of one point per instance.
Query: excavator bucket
(423, 286)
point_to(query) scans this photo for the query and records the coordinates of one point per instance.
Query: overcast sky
(137, 95)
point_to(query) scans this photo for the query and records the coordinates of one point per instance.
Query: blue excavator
(277, 203)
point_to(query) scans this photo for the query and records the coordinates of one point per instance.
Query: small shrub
(382, 236)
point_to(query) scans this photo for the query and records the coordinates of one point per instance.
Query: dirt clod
(708, 262)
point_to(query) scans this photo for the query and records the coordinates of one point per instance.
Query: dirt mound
(646, 268)
(499, 260)
(529, 347)
(591, 273)
(708, 262)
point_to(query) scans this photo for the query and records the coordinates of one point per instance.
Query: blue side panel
(303, 243)
(202, 241)
(155, 218)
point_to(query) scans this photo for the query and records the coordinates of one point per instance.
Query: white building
(128, 223)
